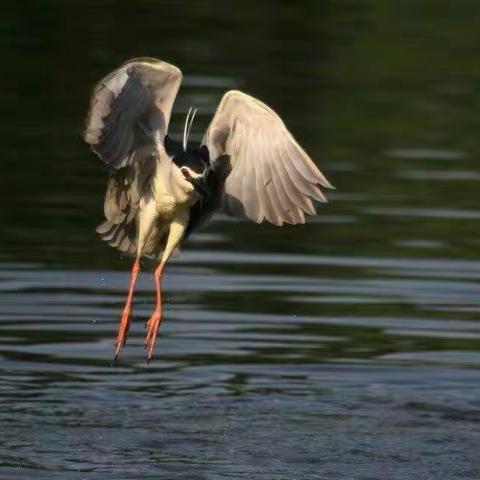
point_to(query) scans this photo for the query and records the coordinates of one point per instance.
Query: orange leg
(127, 310)
(154, 323)
(175, 234)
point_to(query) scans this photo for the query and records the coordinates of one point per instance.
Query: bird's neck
(169, 184)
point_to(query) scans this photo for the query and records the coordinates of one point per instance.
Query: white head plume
(188, 126)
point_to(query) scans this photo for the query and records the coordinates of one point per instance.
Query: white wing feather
(271, 177)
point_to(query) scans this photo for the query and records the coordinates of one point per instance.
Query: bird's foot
(122, 331)
(152, 329)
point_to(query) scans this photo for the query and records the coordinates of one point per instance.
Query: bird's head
(193, 165)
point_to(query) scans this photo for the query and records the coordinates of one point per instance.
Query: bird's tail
(121, 236)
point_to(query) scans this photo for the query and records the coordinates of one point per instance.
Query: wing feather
(249, 195)
(271, 177)
(136, 97)
(271, 197)
(297, 199)
(126, 126)
(289, 216)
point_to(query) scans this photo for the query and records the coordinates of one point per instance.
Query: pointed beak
(201, 186)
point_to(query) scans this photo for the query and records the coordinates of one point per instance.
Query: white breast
(171, 190)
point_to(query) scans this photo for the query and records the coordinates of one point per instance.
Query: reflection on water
(346, 348)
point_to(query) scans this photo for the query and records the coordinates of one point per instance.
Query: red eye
(185, 172)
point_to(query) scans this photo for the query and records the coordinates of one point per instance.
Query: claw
(152, 330)
(122, 331)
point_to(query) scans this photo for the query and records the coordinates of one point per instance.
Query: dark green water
(344, 349)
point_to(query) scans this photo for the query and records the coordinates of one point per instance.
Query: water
(344, 349)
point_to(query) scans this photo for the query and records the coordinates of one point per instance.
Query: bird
(159, 191)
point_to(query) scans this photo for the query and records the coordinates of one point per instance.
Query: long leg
(146, 221)
(127, 310)
(175, 234)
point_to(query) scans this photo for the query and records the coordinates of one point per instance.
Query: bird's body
(248, 165)
(134, 204)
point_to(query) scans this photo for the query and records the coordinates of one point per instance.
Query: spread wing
(268, 175)
(126, 127)
(130, 108)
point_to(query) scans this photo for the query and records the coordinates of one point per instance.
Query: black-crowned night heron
(248, 165)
